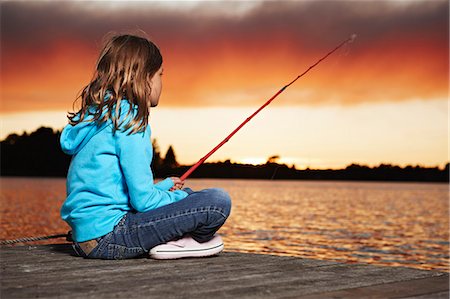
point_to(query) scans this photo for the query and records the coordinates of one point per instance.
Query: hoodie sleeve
(135, 155)
(164, 185)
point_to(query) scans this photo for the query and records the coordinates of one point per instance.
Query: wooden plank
(53, 271)
(440, 295)
(428, 287)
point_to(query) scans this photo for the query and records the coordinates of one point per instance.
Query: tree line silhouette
(39, 154)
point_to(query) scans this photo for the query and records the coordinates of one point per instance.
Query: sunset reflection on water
(395, 224)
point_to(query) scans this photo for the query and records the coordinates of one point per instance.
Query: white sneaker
(187, 247)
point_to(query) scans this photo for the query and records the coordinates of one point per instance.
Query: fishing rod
(200, 162)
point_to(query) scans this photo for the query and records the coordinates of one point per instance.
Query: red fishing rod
(200, 162)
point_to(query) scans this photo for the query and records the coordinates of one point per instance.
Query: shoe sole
(177, 254)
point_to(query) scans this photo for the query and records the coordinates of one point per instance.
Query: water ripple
(394, 224)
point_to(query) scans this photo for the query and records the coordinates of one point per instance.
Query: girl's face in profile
(156, 86)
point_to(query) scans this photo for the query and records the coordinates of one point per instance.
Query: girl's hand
(177, 184)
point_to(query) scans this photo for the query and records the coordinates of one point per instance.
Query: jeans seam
(119, 251)
(190, 212)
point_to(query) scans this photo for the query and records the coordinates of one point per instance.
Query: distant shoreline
(39, 154)
(249, 179)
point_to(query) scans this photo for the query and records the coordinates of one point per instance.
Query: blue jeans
(199, 215)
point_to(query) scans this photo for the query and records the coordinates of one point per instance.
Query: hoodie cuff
(165, 185)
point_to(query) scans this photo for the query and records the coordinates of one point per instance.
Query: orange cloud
(238, 60)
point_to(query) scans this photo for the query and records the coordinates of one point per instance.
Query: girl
(113, 207)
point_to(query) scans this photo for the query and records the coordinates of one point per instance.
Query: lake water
(396, 224)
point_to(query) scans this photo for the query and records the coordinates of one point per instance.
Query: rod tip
(352, 37)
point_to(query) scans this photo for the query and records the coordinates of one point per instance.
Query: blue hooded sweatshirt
(109, 175)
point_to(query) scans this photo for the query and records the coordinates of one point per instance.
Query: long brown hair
(123, 71)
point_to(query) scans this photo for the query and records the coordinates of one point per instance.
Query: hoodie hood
(74, 138)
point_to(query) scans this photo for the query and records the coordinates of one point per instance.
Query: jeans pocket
(99, 251)
(119, 252)
(78, 250)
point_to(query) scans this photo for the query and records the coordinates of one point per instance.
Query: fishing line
(200, 162)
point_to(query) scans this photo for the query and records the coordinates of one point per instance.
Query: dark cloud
(313, 23)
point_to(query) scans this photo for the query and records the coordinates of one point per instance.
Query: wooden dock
(49, 271)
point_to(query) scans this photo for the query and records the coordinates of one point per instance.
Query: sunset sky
(381, 99)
